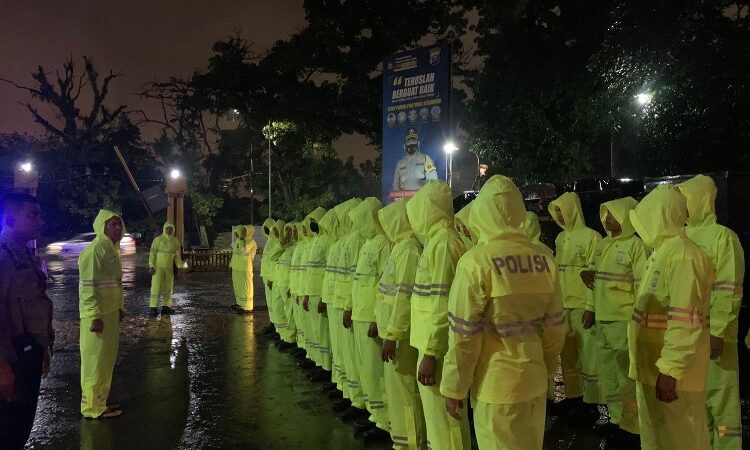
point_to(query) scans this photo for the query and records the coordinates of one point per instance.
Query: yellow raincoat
(334, 306)
(371, 261)
(287, 327)
(534, 231)
(242, 267)
(722, 246)
(669, 332)
(166, 253)
(393, 316)
(269, 262)
(319, 285)
(430, 214)
(100, 297)
(507, 322)
(295, 283)
(574, 253)
(619, 262)
(317, 270)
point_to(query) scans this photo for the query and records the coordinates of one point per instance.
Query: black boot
(328, 386)
(286, 346)
(166, 311)
(153, 312)
(335, 395)
(376, 435)
(317, 375)
(353, 414)
(341, 405)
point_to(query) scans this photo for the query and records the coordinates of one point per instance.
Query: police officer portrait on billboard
(415, 168)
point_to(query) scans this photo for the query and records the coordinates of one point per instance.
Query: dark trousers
(17, 416)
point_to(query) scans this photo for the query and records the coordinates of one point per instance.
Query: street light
(26, 167)
(644, 98)
(449, 148)
(175, 174)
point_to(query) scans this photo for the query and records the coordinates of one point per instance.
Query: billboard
(416, 118)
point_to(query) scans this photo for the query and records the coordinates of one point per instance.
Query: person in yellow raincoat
(287, 327)
(574, 253)
(668, 337)
(269, 264)
(312, 229)
(333, 303)
(343, 292)
(507, 325)
(370, 266)
(242, 269)
(296, 287)
(101, 307)
(165, 255)
(394, 320)
(468, 235)
(269, 250)
(430, 213)
(722, 246)
(619, 263)
(318, 284)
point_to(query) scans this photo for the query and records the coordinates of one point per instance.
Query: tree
(81, 172)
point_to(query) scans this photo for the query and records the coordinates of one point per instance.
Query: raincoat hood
(300, 233)
(498, 209)
(342, 212)
(314, 216)
(364, 217)
(395, 222)
(462, 220)
(570, 206)
(250, 231)
(267, 227)
(533, 230)
(329, 224)
(700, 192)
(660, 215)
(101, 219)
(431, 209)
(167, 225)
(620, 210)
(279, 226)
(290, 226)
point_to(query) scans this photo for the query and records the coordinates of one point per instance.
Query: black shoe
(269, 330)
(353, 414)
(335, 395)
(234, 307)
(624, 440)
(286, 346)
(300, 354)
(377, 435)
(341, 405)
(362, 425)
(328, 386)
(305, 364)
(318, 375)
(153, 312)
(242, 312)
(166, 311)
(276, 337)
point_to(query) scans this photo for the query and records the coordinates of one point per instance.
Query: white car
(75, 245)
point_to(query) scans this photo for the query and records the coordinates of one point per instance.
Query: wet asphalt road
(203, 378)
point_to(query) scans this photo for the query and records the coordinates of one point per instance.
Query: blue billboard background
(416, 94)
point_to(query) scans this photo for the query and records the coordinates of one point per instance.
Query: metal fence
(208, 261)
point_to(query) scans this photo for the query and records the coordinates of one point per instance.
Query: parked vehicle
(75, 245)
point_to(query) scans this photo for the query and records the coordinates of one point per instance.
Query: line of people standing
(406, 312)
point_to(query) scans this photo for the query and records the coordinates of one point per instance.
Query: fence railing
(208, 260)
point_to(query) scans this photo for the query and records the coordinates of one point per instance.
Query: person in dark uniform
(26, 335)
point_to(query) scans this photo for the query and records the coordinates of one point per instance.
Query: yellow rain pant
(313, 321)
(723, 400)
(402, 396)
(510, 427)
(351, 367)
(299, 321)
(672, 426)
(242, 281)
(286, 305)
(98, 356)
(271, 304)
(443, 431)
(579, 360)
(162, 284)
(322, 336)
(614, 361)
(335, 319)
(371, 374)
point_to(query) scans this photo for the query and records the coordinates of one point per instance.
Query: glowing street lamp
(175, 174)
(27, 167)
(449, 148)
(644, 98)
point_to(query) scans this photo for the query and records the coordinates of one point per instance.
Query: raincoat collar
(430, 210)
(620, 210)
(395, 221)
(498, 210)
(660, 215)
(570, 206)
(700, 193)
